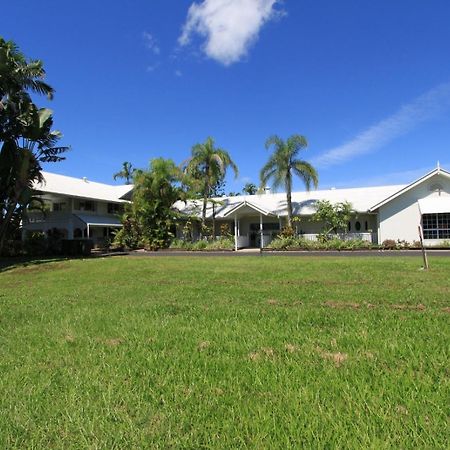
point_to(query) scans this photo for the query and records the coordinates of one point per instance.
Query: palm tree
(284, 164)
(17, 74)
(21, 163)
(207, 166)
(26, 137)
(126, 172)
(250, 189)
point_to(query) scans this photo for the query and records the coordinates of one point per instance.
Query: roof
(437, 171)
(104, 221)
(81, 188)
(303, 203)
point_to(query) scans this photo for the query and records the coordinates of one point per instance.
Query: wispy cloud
(423, 108)
(389, 178)
(153, 67)
(151, 43)
(229, 27)
(178, 73)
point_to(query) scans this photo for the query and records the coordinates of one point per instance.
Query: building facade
(76, 208)
(79, 208)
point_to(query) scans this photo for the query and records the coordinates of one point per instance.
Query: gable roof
(437, 171)
(81, 188)
(303, 203)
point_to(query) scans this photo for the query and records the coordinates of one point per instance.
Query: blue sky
(368, 83)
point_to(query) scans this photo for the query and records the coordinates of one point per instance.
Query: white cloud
(151, 43)
(178, 73)
(229, 27)
(423, 108)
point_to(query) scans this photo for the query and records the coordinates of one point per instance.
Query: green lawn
(225, 352)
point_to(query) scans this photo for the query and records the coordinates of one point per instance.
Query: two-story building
(77, 208)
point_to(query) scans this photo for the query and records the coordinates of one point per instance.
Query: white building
(77, 208)
(384, 212)
(83, 209)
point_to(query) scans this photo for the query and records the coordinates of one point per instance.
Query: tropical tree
(126, 172)
(250, 189)
(207, 167)
(148, 221)
(284, 164)
(333, 217)
(26, 136)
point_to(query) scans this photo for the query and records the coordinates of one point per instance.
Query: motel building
(82, 209)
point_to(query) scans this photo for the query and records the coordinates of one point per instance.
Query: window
(266, 226)
(114, 208)
(85, 205)
(358, 226)
(366, 225)
(349, 226)
(59, 206)
(436, 226)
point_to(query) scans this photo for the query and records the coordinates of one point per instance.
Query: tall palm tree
(208, 165)
(126, 172)
(17, 74)
(284, 164)
(26, 137)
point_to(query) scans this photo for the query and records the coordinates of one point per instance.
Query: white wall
(400, 218)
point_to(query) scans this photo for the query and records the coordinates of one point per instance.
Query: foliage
(127, 172)
(223, 243)
(225, 230)
(35, 243)
(287, 232)
(299, 243)
(250, 189)
(334, 216)
(206, 169)
(149, 220)
(26, 136)
(284, 164)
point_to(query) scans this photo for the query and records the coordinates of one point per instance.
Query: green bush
(35, 243)
(224, 243)
(332, 243)
(221, 244)
(12, 248)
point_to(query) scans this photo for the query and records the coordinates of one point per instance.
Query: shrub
(35, 243)
(221, 244)
(389, 244)
(12, 248)
(225, 230)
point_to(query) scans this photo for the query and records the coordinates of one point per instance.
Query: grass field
(248, 352)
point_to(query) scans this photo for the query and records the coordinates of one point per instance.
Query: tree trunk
(289, 199)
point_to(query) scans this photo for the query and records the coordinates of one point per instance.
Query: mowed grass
(225, 352)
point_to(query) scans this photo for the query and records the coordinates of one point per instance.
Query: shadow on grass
(11, 263)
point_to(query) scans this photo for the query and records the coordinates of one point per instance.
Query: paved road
(356, 253)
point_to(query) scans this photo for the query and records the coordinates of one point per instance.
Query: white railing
(243, 241)
(51, 216)
(369, 237)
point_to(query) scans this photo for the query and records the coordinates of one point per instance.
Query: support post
(261, 231)
(88, 231)
(424, 252)
(235, 234)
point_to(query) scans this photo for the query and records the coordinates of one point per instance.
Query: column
(261, 230)
(235, 233)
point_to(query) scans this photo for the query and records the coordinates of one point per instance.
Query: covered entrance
(254, 227)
